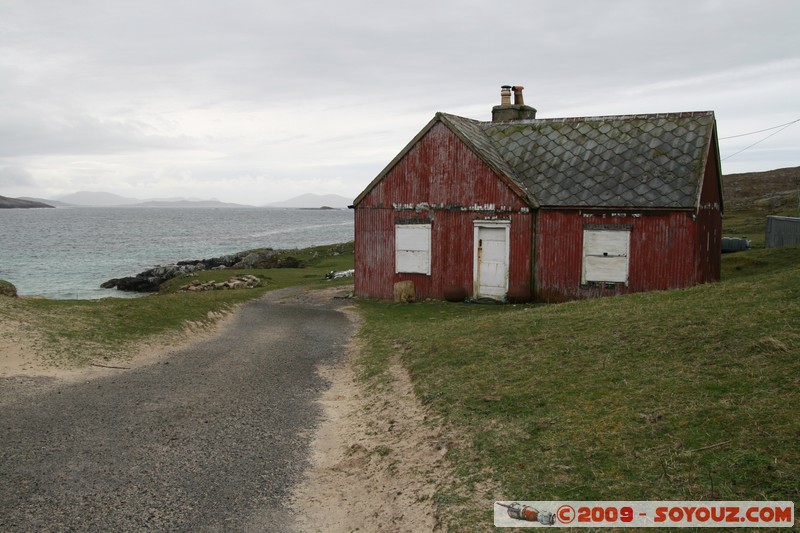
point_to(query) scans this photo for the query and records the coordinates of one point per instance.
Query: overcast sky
(258, 101)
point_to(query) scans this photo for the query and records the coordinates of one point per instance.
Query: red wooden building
(553, 209)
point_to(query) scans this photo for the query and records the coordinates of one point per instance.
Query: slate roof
(639, 161)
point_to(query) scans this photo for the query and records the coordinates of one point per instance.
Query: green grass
(682, 395)
(749, 220)
(74, 333)
(686, 394)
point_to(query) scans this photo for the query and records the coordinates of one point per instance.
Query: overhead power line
(782, 127)
(759, 131)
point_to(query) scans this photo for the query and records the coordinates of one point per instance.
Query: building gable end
(493, 161)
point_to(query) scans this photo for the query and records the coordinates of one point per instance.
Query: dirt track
(209, 438)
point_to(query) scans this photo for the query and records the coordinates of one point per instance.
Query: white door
(491, 261)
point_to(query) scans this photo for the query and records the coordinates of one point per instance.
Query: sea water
(66, 253)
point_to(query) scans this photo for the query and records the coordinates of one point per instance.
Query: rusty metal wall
(708, 259)
(442, 182)
(662, 252)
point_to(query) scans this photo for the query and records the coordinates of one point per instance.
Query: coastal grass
(75, 333)
(688, 394)
(750, 219)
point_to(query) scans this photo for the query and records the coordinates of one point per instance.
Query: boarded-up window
(605, 255)
(412, 248)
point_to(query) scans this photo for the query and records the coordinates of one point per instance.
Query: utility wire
(782, 127)
(759, 131)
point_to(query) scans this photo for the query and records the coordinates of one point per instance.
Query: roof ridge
(599, 118)
(637, 116)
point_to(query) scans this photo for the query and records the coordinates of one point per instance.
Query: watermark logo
(719, 514)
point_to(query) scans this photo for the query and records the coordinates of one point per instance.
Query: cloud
(14, 176)
(28, 132)
(249, 97)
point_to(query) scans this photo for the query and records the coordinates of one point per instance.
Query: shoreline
(66, 254)
(396, 463)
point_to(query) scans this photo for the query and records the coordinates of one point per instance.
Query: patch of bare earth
(377, 459)
(377, 456)
(16, 350)
(22, 354)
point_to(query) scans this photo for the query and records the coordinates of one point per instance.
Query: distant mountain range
(106, 199)
(52, 203)
(314, 201)
(96, 199)
(185, 203)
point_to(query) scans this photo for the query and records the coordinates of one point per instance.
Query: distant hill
(749, 186)
(186, 203)
(97, 199)
(54, 203)
(314, 201)
(107, 199)
(18, 203)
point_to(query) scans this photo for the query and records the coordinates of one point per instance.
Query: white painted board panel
(413, 237)
(413, 249)
(605, 255)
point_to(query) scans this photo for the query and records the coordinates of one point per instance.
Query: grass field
(682, 395)
(749, 220)
(76, 332)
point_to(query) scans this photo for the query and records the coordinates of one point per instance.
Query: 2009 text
(644, 514)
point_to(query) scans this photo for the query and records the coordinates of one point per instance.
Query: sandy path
(377, 459)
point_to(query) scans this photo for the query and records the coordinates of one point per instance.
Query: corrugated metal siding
(661, 252)
(442, 181)
(372, 252)
(709, 224)
(782, 231)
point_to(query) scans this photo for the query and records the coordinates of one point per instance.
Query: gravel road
(212, 438)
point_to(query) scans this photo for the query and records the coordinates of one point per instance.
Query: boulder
(404, 291)
(254, 260)
(241, 282)
(138, 284)
(7, 289)
(267, 258)
(455, 293)
(151, 279)
(289, 262)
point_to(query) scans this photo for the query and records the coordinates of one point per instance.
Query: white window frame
(606, 255)
(412, 249)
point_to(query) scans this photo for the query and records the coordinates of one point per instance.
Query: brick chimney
(507, 111)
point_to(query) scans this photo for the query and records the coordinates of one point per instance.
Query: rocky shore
(150, 280)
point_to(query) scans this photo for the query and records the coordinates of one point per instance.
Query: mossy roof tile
(617, 161)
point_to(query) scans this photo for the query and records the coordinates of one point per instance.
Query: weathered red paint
(662, 255)
(708, 234)
(442, 181)
(668, 249)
